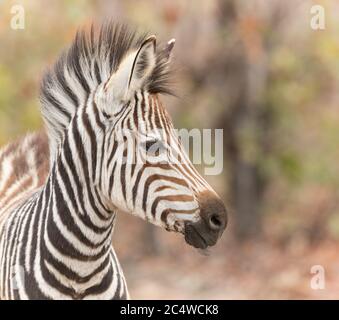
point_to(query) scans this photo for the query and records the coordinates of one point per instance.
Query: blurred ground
(253, 270)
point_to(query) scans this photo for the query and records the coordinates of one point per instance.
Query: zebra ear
(168, 49)
(133, 70)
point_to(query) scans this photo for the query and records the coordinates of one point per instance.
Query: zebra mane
(90, 60)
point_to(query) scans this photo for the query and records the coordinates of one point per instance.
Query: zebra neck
(76, 232)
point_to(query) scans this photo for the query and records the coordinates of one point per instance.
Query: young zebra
(100, 97)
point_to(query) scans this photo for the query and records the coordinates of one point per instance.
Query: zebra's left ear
(133, 70)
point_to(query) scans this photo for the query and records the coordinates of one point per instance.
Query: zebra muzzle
(208, 229)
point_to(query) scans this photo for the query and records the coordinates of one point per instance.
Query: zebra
(102, 94)
(24, 167)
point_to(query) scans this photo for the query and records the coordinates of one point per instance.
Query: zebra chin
(209, 228)
(199, 237)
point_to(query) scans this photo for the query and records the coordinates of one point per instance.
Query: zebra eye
(149, 144)
(154, 147)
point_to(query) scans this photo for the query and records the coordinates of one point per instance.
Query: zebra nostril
(215, 222)
(212, 212)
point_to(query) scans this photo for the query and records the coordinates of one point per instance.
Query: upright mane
(90, 60)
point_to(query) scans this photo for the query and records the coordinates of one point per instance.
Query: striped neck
(78, 227)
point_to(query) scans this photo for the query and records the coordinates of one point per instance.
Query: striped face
(145, 170)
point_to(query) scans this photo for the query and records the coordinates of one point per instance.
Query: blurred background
(259, 71)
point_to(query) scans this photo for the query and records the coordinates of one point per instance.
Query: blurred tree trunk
(241, 123)
(248, 119)
(244, 121)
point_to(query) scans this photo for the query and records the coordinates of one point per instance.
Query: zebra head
(138, 162)
(147, 172)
